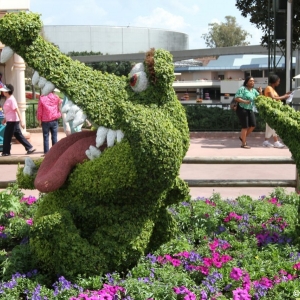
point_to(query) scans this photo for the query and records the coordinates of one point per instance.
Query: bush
(213, 118)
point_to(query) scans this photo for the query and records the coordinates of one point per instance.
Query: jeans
(13, 129)
(47, 127)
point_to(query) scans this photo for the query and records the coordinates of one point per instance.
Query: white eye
(137, 68)
(139, 82)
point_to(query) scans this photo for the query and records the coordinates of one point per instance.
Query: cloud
(160, 18)
(184, 7)
(87, 8)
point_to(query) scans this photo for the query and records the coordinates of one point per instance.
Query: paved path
(202, 144)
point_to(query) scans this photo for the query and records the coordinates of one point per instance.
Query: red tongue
(61, 158)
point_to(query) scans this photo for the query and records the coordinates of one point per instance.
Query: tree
(226, 34)
(117, 67)
(261, 13)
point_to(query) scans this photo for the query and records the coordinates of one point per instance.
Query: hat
(4, 89)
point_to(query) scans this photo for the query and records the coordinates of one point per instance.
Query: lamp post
(288, 44)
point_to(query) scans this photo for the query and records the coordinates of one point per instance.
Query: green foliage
(285, 120)
(9, 199)
(15, 221)
(226, 34)
(261, 14)
(25, 181)
(173, 264)
(204, 118)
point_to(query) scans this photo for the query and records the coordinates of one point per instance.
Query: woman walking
(13, 120)
(245, 97)
(270, 91)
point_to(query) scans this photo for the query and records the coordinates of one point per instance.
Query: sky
(187, 16)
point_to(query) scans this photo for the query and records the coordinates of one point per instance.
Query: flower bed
(225, 249)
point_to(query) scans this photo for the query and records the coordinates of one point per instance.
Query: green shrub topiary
(113, 209)
(285, 120)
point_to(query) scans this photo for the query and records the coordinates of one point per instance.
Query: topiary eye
(133, 80)
(138, 78)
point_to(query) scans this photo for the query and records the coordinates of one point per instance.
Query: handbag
(233, 104)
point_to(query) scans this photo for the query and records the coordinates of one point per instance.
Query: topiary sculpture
(285, 120)
(102, 214)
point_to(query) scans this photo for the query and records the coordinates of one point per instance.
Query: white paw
(42, 82)
(48, 88)
(29, 167)
(79, 118)
(93, 152)
(35, 78)
(6, 54)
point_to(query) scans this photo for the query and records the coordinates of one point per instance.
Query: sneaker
(30, 151)
(267, 144)
(278, 145)
(5, 154)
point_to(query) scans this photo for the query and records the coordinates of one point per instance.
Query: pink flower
(296, 266)
(274, 201)
(184, 254)
(214, 245)
(241, 294)
(266, 282)
(211, 203)
(29, 222)
(203, 269)
(207, 261)
(28, 200)
(236, 273)
(225, 258)
(175, 262)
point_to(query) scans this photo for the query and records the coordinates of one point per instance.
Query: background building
(219, 78)
(113, 40)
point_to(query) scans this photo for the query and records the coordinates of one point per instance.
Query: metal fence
(31, 120)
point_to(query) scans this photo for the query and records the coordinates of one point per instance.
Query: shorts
(246, 117)
(269, 132)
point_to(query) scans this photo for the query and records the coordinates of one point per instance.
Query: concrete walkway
(201, 144)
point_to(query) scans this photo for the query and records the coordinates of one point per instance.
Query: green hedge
(216, 118)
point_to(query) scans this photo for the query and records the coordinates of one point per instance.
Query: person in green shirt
(245, 97)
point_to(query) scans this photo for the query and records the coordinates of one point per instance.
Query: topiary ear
(164, 67)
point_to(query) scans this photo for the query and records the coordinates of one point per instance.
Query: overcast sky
(187, 16)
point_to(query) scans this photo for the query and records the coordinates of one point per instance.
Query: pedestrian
(270, 91)
(13, 120)
(48, 113)
(245, 97)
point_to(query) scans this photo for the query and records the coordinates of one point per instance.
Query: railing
(208, 182)
(242, 183)
(31, 120)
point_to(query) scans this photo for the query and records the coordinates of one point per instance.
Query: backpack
(233, 104)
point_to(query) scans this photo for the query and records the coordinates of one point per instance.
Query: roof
(235, 62)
